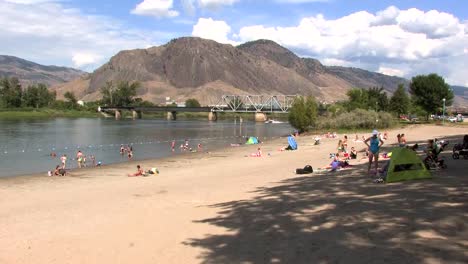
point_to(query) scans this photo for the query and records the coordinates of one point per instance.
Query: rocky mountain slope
(204, 69)
(29, 72)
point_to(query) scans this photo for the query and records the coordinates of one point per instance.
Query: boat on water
(272, 121)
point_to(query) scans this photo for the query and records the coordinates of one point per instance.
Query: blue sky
(401, 38)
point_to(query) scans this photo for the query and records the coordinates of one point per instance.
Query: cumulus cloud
(300, 1)
(81, 59)
(212, 29)
(213, 4)
(156, 8)
(433, 24)
(72, 39)
(398, 42)
(391, 71)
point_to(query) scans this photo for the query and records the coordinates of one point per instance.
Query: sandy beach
(225, 207)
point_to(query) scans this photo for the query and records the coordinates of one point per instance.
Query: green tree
(38, 96)
(311, 108)
(428, 91)
(400, 101)
(192, 103)
(121, 95)
(107, 91)
(71, 99)
(357, 98)
(377, 99)
(303, 113)
(10, 93)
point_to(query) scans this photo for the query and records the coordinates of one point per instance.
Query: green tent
(251, 141)
(406, 165)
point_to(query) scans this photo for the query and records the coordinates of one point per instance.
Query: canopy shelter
(406, 165)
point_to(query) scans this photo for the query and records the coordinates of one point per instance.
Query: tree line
(425, 96)
(122, 93)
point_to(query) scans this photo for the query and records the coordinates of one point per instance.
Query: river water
(26, 145)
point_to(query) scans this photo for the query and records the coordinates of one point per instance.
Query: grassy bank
(44, 113)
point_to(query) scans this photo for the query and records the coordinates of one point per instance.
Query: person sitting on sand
(414, 147)
(402, 140)
(59, 171)
(353, 154)
(341, 147)
(138, 173)
(257, 154)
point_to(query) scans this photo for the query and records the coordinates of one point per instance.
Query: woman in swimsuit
(374, 148)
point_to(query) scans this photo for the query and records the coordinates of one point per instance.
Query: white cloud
(28, 2)
(434, 24)
(49, 33)
(211, 29)
(213, 4)
(386, 17)
(300, 1)
(391, 71)
(83, 59)
(156, 8)
(410, 41)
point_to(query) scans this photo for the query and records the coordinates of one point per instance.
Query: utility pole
(443, 112)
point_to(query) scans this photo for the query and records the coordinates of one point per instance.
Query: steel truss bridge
(254, 103)
(258, 104)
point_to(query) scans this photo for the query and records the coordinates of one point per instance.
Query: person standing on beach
(63, 159)
(79, 158)
(122, 150)
(374, 147)
(173, 145)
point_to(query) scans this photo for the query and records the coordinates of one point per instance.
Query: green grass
(28, 113)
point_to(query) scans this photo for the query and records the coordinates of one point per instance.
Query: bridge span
(259, 105)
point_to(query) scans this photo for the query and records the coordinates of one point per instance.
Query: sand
(223, 207)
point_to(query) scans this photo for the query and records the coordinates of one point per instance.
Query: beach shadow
(344, 218)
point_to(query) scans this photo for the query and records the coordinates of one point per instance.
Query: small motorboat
(272, 121)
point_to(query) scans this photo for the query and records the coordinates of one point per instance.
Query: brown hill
(29, 72)
(204, 69)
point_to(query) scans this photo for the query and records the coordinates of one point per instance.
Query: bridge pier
(118, 114)
(212, 116)
(136, 114)
(172, 115)
(260, 117)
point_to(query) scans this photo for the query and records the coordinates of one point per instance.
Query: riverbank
(224, 207)
(45, 113)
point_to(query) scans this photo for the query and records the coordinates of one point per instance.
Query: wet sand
(224, 207)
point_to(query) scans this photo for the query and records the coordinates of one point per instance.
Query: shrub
(357, 119)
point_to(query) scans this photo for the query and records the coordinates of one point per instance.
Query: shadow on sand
(346, 218)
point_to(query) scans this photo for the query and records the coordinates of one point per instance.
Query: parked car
(452, 119)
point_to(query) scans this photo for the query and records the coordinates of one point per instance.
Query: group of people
(128, 149)
(81, 159)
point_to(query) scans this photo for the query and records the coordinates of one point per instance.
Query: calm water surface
(26, 145)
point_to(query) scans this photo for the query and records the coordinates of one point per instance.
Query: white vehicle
(452, 119)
